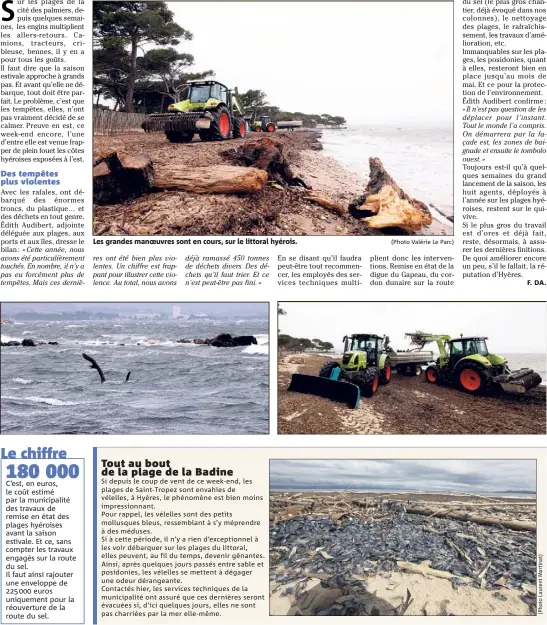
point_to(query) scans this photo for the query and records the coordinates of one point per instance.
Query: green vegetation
(291, 344)
(150, 82)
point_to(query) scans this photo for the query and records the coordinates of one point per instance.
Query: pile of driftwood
(119, 176)
(342, 504)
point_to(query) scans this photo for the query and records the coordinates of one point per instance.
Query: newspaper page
(273, 311)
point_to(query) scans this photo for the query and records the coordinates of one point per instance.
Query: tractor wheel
(221, 125)
(257, 129)
(174, 136)
(367, 381)
(432, 375)
(417, 370)
(385, 373)
(327, 368)
(270, 127)
(472, 378)
(240, 128)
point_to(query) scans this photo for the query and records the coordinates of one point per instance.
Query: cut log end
(118, 176)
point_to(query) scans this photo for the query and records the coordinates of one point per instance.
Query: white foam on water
(262, 349)
(50, 401)
(4, 338)
(22, 381)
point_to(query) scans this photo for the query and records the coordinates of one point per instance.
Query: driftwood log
(325, 202)
(214, 179)
(118, 176)
(94, 365)
(268, 155)
(511, 524)
(385, 205)
(424, 569)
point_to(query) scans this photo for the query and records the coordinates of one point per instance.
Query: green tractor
(365, 365)
(263, 123)
(466, 363)
(210, 110)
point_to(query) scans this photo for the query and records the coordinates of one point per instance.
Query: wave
(4, 338)
(50, 401)
(261, 349)
(22, 381)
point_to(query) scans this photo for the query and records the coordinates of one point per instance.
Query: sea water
(420, 160)
(174, 388)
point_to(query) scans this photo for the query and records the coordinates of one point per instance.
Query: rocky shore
(351, 554)
(276, 210)
(220, 340)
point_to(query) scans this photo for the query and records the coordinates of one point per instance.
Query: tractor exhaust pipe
(518, 381)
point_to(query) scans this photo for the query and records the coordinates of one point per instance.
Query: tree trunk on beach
(118, 176)
(480, 520)
(266, 154)
(214, 179)
(385, 205)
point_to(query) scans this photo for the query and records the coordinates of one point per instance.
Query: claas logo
(7, 13)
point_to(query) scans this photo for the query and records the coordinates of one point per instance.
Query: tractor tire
(385, 373)
(257, 129)
(174, 136)
(367, 381)
(432, 375)
(417, 370)
(327, 368)
(221, 125)
(240, 129)
(270, 127)
(472, 378)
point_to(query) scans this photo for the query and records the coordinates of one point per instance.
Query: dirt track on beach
(274, 211)
(408, 405)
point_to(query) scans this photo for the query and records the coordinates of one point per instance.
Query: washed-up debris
(385, 205)
(344, 540)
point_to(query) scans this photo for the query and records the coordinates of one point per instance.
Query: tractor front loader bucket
(333, 389)
(518, 381)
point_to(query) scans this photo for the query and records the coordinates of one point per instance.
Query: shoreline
(275, 211)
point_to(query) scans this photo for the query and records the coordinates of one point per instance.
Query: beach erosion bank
(275, 211)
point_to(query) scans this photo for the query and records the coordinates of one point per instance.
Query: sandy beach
(345, 553)
(408, 405)
(274, 211)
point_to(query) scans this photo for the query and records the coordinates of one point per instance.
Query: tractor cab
(465, 347)
(362, 350)
(204, 94)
